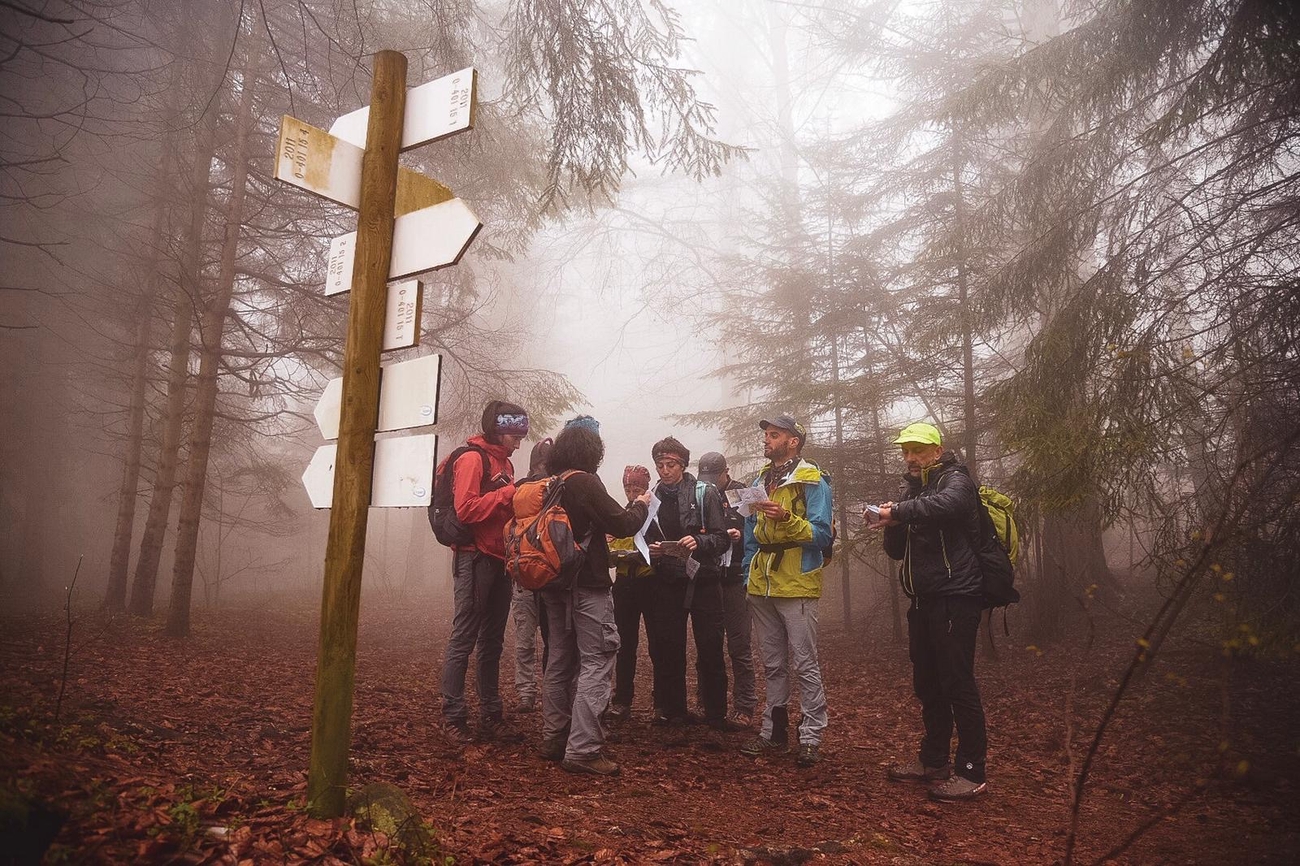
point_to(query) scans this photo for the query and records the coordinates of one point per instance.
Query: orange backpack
(541, 551)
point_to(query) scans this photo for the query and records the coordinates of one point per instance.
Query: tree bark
(970, 422)
(211, 329)
(145, 581)
(129, 491)
(1072, 558)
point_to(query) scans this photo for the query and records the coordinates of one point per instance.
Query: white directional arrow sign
(408, 397)
(330, 167)
(434, 237)
(434, 110)
(402, 316)
(403, 473)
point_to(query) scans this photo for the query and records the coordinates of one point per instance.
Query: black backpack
(447, 527)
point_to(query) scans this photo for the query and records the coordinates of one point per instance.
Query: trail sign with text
(427, 239)
(436, 109)
(314, 160)
(407, 223)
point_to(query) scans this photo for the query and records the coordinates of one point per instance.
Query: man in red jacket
(483, 497)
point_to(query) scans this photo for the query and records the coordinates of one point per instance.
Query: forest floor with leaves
(195, 751)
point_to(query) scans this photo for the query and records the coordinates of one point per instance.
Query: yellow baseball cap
(920, 433)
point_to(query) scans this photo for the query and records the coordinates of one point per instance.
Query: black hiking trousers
(665, 625)
(941, 633)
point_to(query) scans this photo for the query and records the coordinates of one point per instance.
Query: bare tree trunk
(211, 329)
(129, 491)
(970, 422)
(187, 289)
(1073, 558)
(882, 472)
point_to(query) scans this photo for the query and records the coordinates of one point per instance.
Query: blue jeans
(481, 594)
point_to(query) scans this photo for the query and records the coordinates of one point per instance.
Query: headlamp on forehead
(512, 425)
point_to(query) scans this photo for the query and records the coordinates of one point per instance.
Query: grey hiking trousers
(787, 641)
(481, 593)
(579, 667)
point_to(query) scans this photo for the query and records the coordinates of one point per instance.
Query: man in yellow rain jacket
(785, 535)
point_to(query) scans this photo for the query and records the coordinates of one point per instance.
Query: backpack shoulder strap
(701, 487)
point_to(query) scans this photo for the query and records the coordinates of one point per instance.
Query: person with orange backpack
(469, 515)
(577, 599)
(525, 609)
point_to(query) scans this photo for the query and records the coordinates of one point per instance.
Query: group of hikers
(731, 565)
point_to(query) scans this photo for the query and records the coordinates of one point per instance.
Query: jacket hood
(494, 449)
(804, 472)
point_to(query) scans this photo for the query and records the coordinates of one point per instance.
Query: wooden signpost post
(358, 167)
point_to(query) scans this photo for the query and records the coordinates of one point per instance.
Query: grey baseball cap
(712, 465)
(785, 422)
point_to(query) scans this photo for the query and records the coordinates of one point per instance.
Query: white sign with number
(402, 316)
(428, 239)
(435, 109)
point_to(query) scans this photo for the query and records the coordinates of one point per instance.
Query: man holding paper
(785, 535)
(687, 538)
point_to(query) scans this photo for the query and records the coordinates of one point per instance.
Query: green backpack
(1002, 511)
(997, 544)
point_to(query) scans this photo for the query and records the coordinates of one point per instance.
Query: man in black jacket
(687, 538)
(931, 530)
(735, 603)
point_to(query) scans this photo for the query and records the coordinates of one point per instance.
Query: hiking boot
(457, 732)
(809, 754)
(494, 729)
(723, 724)
(741, 720)
(552, 748)
(763, 746)
(527, 705)
(918, 772)
(958, 788)
(617, 714)
(596, 765)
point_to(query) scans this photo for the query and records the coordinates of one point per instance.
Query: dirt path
(195, 751)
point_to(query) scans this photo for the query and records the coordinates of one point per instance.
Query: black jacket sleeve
(954, 499)
(607, 516)
(895, 541)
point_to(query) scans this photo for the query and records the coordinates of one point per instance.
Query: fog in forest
(1063, 232)
(862, 214)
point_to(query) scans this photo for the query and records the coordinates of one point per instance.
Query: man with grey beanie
(736, 621)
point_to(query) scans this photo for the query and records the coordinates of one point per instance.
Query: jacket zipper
(908, 584)
(943, 546)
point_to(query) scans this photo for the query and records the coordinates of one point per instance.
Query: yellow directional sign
(330, 167)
